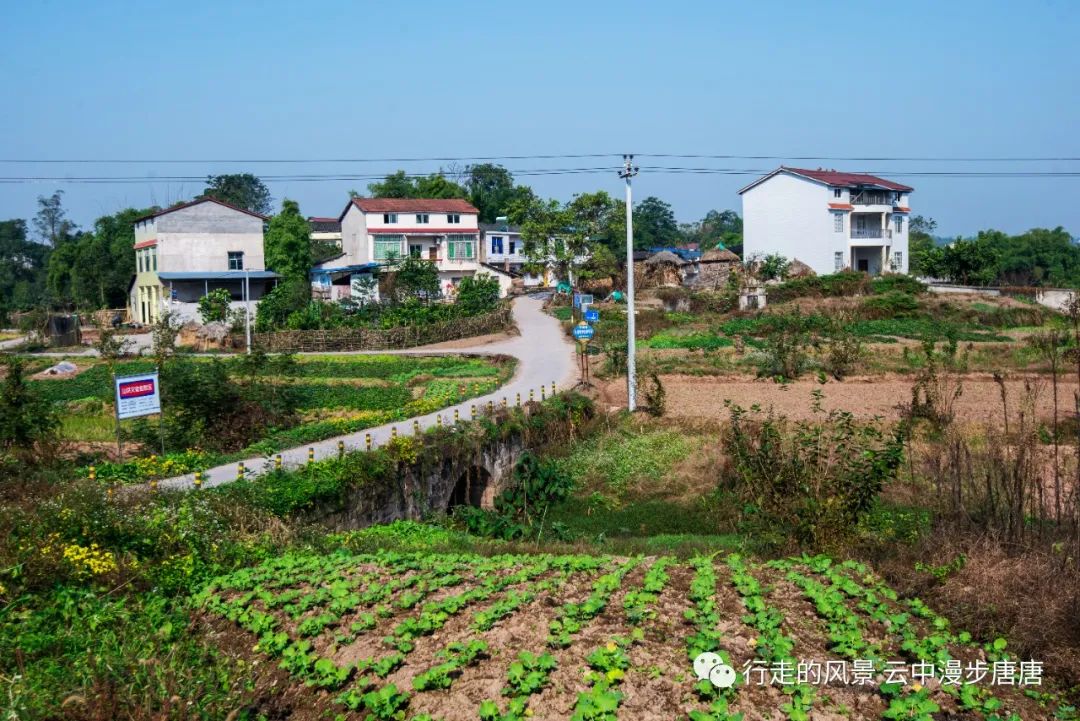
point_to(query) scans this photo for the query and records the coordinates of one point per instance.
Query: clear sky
(302, 80)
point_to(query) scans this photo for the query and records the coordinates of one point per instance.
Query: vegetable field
(593, 638)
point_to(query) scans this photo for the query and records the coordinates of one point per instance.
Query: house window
(138, 260)
(423, 218)
(838, 260)
(838, 222)
(416, 250)
(453, 218)
(836, 192)
(899, 224)
(389, 218)
(236, 260)
(387, 246)
(460, 247)
(497, 244)
(513, 246)
(897, 260)
(153, 259)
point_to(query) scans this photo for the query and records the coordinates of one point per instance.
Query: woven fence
(410, 336)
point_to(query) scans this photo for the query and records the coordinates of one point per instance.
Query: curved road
(544, 354)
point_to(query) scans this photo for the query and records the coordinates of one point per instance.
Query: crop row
(305, 611)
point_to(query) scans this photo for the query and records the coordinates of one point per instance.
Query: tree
(924, 257)
(491, 189)
(971, 261)
(288, 242)
(27, 421)
(654, 224)
(22, 268)
(718, 228)
(401, 185)
(243, 190)
(566, 236)
(413, 278)
(437, 185)
(93, 269)
(51, 221)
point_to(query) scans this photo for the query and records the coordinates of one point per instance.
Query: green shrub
(891, 282)
(844, 283)
(817, 477)
(279, 304)
(214, 306)
(28, 422)
(893, 304)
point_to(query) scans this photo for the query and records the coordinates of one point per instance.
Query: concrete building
(501, 248)
(444, 231)
(326, 230)
(184, 252)
(828, 219)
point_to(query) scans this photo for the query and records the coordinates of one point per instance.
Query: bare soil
(865, 397)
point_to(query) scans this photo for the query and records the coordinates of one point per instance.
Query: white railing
(866, 232)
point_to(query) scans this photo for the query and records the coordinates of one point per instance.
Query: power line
(552, 156)
(532, 172)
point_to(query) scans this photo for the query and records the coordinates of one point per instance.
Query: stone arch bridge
(437, 482)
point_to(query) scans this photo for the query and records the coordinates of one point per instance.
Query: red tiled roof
(844, 180)
(145, 244)
(196, 202)
(319, 219)
(414, 205)
(841, 206)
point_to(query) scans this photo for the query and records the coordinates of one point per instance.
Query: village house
(502, 249)
(184, 252)
(326, 230)
(375, 230)
(829, 220)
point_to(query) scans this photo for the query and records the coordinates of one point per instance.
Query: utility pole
(247, 308)
(630, 170)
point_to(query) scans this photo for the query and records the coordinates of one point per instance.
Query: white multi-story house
(445, 232)
(184, 252)
(828, 219)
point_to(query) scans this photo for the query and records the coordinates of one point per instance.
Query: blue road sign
(583, 331)
(592, 315)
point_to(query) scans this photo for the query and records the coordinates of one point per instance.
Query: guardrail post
(367, 441)
(341, 449)
(473, 412)
(198, 480)
(310, 455)
(416, 427)
(239, 470)
(277, 462)
(393, 433)
(93, 473)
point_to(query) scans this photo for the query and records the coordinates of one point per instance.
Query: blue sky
(217, 80)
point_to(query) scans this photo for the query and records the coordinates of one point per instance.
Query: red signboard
(136, 389)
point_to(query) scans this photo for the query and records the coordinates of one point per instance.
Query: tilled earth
(458, 637)
(979, 401)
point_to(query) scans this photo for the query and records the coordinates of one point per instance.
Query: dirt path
(979, 401)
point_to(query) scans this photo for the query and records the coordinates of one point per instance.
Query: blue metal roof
(684, 253)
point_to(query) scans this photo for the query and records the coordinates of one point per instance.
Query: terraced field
(594, 638)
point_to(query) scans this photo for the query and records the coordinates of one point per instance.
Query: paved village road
(544, 356)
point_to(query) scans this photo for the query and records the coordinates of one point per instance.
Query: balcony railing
(873, 199)
(866, 232)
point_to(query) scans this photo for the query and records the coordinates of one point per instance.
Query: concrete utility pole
(247, 308)
(629, 171)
